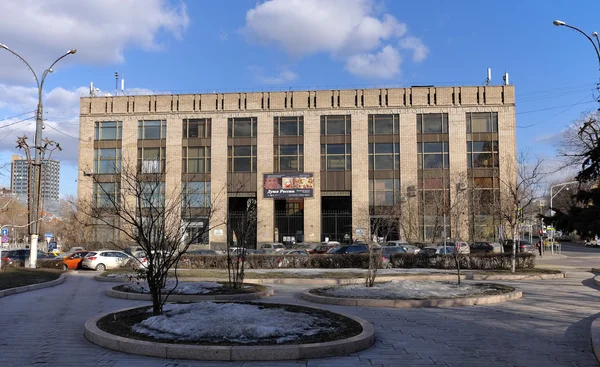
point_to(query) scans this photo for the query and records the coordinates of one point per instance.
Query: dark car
(387, 252)
(350, 249)
(202, 252)
(486, 247)
(522, 246)
(17, 257)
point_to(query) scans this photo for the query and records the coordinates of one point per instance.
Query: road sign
(4, 232)
(4, 239)
(48, 234)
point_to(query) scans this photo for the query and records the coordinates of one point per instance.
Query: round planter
(231, 353)
(193, 297)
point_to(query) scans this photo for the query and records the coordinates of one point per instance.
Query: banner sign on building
(288, 185)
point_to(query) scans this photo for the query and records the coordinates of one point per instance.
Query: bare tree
(138, 208)
(241, 238)
(74, 227)
(517, 194)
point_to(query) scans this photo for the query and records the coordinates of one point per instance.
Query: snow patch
(187, 288)
(229, 322)
(408, 289)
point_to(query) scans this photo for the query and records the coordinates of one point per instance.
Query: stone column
(173, 163)
(457, 133)
(409, 176)
(264, 150)
(218, 176)
(312, 163)
(360, 176)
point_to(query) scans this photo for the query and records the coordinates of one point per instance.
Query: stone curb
(412, 303)
(450, 277)
(595, 270)
(192, 297)
(597, 280)
(231, 353)
(33, 287)
(595, 336)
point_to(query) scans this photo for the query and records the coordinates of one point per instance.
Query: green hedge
(361, 261)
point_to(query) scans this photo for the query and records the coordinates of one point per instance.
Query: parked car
(386, 254)
(306, 246)
(592, 242)
(350, 249)
(17, 257)
(291, 256)
(462, 246)
(106, 259)
(522, 246)
(485, 247)
(420, 244)
(396, 243)
(435, 250)
(202, 252)
(76, 248)
(321, 249)
(271, 248)
(71, 260)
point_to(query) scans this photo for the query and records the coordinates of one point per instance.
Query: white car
(271, 248)
(106, 259)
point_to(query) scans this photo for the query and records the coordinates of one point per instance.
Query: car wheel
(100, 267)
(65, 267)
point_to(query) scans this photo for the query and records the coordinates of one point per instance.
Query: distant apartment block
(50, 178)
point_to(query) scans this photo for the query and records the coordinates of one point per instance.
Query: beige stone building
(317, 164)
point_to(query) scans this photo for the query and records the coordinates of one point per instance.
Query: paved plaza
(550, 326)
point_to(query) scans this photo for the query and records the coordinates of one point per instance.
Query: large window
(107, 160)
(384, 124)
(151, 160)
(384, 156)
(196, 159)
(289, 158)
(432, 123)
(384, 192)
(196, 128)
(335, 157)
(241, 127)
(482, 154)
(336, 125)
(106, 194)
(433, 155)
(288, 126)
(482, 122)
(196, 194)
(152, 129)
(434, 198)
(241, 158)
(152, 194)
(108, 130)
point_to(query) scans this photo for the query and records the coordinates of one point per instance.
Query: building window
(107, 160)
(482, 154)
(336, 125)
(482, 122)
(288, 126)
(106, 194)
(196, 159)
(196, 128)
(108, 130)
(384, 156)
(336, 157)
(152, 194)
(151, 160)
(433, 155)
(432, 123)
(241, 127)
(384, 124)
(241, 158)
(289, 158)
(196, 195)
(384, 192)
(152, 129)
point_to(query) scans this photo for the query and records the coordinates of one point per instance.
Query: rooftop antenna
(505, 78)
(92, 90)
(489, 76)
(116, 83)
(123, 86)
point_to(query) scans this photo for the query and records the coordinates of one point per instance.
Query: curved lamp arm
(560, 23)
(22, 59)
(49, 70)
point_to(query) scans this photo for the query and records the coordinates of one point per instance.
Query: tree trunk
(513, 260)
(457, 261)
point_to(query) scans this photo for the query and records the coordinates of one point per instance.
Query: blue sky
(196, 46)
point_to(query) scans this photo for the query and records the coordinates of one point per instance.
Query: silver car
(106, 259)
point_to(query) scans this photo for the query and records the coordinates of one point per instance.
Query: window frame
(422, 154)
(145, 126)
(187, 159)
(299, 157)
(347, 121)
(372, 122)
(421, 119)
(187, 202)
(491, 122)
(346, 156)
(231, 126)
(393, 156)
(116, 159)
(277, 122)
(232, 157)
(206, 124)
(162, 154)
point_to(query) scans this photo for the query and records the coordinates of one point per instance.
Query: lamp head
(72, 51)
(558, 23)
(595, 34)
(2, 45)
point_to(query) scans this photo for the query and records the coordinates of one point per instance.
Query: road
(548, 327)
(573, 256)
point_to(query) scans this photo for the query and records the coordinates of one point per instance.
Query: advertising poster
(288, 185)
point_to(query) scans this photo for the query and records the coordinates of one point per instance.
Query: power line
(19, 115)
(556, 114)
(555, 107)
(65, 134)
(16, 122)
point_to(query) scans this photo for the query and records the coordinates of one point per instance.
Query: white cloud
(352, 31)
(382, 65)
(420, 51)
(283, 77)
(40, 31)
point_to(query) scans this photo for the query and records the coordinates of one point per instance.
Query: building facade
(50, 179)
(317, 165)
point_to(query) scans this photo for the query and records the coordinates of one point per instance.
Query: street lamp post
(562, 186)
(35, 184)
(560, 23)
